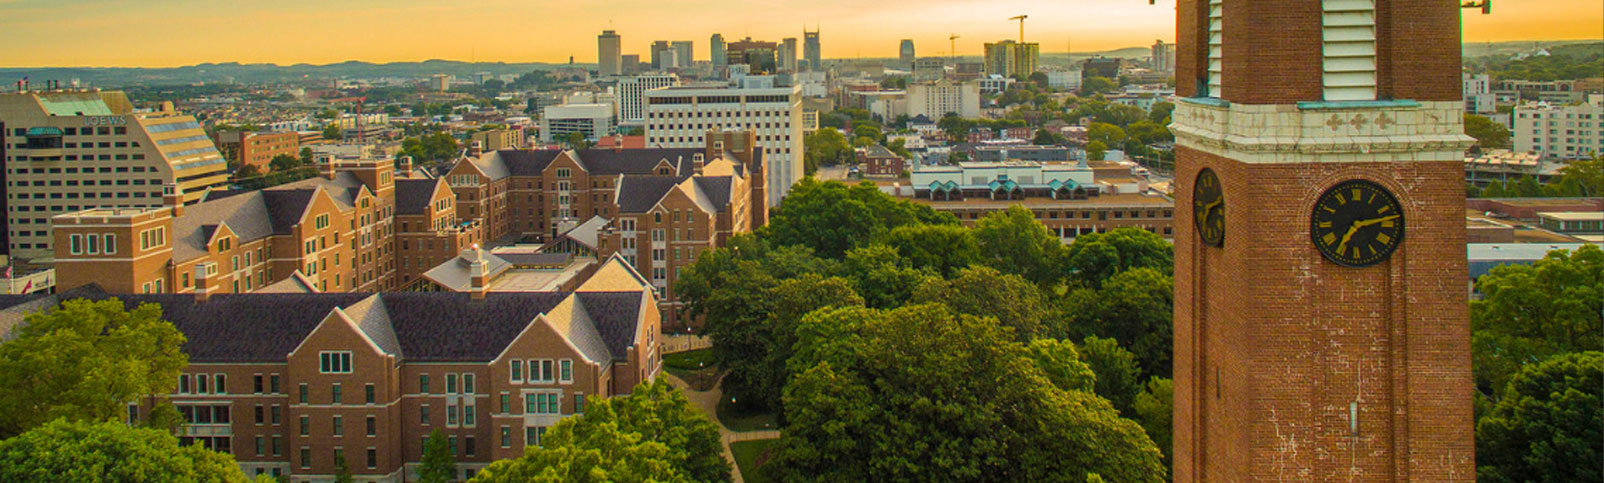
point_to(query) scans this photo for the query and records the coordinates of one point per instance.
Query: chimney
(325, 165)
(475, 149)
(173, 197)
(478, 273)
(618, 142)
(697, 161)
(406, 167)
(201, 292)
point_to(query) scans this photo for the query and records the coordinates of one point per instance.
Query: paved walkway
(708, 402)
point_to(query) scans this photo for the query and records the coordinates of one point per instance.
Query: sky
(165, 33)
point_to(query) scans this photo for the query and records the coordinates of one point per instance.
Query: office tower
(683, 53)
(632, 96)
(905, 52)
(1008, 58)
(810, 49)
(1321, 321)
(786, 55)
(715, 50)
(680, 117)
(608, 55)
(71, 150)
(629, 64)
(760, 56)
(590, 120)
(659, 48)
(1163, 57)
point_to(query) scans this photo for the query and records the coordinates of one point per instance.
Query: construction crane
(954, 41)
(361, 134)
(1021, 20)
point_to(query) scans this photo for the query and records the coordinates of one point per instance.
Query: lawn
(694, 367)
(688, 360)
(736, 419)
(750, 456)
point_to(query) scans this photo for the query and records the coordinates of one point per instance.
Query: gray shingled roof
(718, 190)
(615, 315)
(370, 316)
(524, 162)
(637, 194)
(580, 330)
(285, 207)
(412, 195)
(491, 166)
(636, 161)
(246, 214)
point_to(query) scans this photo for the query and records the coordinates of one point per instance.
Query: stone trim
(1327, 132)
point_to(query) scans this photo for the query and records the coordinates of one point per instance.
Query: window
(467, 446)
(579, 403)
(75, 244)
(532, 435)
(506, 437)
(451, 384)
(306, 425)
(467, 383)
(306, 458)
(183, 384)
(1349, 36)
(272, 383)
(303, 391)
(200, 383)
(277, 413)
(469, 415)
(367, 393)
(451, 415)
(517, 371)
(256, 384)
(567, 373)
(334, 362)
(423, 383)
(335, 393)
(373, 458)
(423, 413)
(339, 426)
(505, 403)
(260, 414)
(373, 426)
(1216, 49)
(221, 385)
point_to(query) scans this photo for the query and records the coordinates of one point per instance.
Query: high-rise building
(1548, 130)
(608, 54)
(590, 120)
(1321, 322)
(905, 52)
(683, 55)
(680, 117)
(71, 150)
(810, 49)
(632, 96)
(1163, 57)
(934, 100)
(629, 64)
(787, 55)
(715, 50)
(1011, 59)
(659, 50)
(758, 55)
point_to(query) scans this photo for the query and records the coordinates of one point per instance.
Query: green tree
(881, 276)
(1528, 313)
(1012, 241)
(1096, 85)
(1586, 175)
(825, 147)
(957, 128)
(652, 434)
(922, 394)
(439, 465)
(247, 171)
(830, 217)
(1015, 302)
(1048, 138)
(1096, 150)
(85, 360)
(1096, 257)
(1134, 307)
(1119, 376)
(1160, 113)
(1488, 134)
(1105, 133)
(1548, 425)
(306, 156)
(942, 248)
(1154, 410)
(332, 132)
(1147, 132)
(285, 162)
(1062, 364)
(109, 451)
(576, 140)
(342, 469)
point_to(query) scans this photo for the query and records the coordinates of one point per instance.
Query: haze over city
(165, 33)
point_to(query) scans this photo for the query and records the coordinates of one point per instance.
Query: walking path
(708, 402)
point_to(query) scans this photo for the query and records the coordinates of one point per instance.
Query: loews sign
(93, 121)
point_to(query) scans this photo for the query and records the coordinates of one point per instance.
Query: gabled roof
(719, 190)
(246, 214)
(570, 320)
(412, 196)
(638, 194)
(285, 207)
(694, 192)
(526, 162)
(586, 233)
(371, 318)
(635, 161)
(295, 283)
(615, 316)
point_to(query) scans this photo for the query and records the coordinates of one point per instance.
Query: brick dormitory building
(289, 382)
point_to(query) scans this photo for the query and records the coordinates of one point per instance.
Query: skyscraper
(715, 50)
(1163, 59)
(1009, 58)
(658, 48)
(683, 56)
(810, 49)
(787, 54)
(608, 55)
(906, 52)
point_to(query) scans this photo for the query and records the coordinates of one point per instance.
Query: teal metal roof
(44, 131)
(75, 105)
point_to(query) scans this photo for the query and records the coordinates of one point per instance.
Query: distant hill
(1572, 48)
(254, 73)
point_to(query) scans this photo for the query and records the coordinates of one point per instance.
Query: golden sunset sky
(158, 33)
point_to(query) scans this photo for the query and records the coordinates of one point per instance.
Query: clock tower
(1321, 324)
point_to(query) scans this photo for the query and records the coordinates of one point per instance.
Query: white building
(929, 69)
(1063, 79)
(1479, 97)
(995, 84)
(592, 120)
(1560, 132)
(813, 83)
(934, 100)
(679, 117)
(632, 96)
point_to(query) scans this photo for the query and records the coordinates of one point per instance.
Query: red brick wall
(1272, 341)
(1418, 50)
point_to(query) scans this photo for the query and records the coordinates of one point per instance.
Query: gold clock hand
(1210, 207)
(1354, 228)
(1372, 221)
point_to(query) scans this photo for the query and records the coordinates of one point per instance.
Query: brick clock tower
(1321, 325)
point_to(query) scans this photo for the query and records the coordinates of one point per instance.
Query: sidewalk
(708, 402)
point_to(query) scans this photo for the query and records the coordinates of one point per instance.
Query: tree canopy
(831, 217)
(109, 451)
(919, 393)
(84, 361)
(439, 465)
(1529, 313)
(652, 434)
(1549, 425)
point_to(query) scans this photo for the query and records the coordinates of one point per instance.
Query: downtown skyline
(62, 33)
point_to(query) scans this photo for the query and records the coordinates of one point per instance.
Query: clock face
(1208, 208)
(1357, 223)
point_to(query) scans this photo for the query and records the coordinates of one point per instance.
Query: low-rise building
(252, 148)
(880, 162)
(290, 383)
(497, 139)
(1069, 199)
(593, 121)
(1555, 131)
(1572, 222)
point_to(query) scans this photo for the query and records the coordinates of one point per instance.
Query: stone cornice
(1323, 132)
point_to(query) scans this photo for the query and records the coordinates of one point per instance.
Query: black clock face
(1357, 223)
(1208, 208)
